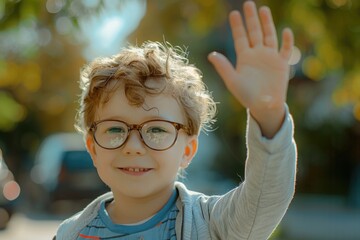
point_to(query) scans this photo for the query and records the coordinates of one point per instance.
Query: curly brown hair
(132, 69)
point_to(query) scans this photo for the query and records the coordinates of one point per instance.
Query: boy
(141, 113)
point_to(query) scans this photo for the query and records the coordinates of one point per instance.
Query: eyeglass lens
(158, 135)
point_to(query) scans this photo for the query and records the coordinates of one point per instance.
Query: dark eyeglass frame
(138, 127)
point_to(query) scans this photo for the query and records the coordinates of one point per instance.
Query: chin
(140, 191)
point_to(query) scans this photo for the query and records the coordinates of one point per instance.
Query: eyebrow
(119, 118)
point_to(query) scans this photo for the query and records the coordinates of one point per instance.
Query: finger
(238, 31)
(223, 67)
(270, 38)
(287, 43)
(253, 24)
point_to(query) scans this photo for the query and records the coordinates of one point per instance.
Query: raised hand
(260, 78)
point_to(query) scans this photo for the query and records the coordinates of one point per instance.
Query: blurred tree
(325, 94)
(330, 46)
(40, 59)
(39, 68)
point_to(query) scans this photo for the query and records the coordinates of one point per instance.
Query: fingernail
(212, 54)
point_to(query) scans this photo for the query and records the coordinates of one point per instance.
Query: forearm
(269, 177)
(256, 207)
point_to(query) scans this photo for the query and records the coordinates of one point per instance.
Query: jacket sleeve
(255, 208)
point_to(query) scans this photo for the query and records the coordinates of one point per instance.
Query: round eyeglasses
(158, 135)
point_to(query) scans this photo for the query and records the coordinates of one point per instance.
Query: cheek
(104, 162)
(103, 159)
(170, 159)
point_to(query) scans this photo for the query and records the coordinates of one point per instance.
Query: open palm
(260, 78)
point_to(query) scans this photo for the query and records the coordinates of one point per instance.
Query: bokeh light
(295, 56)
(54, 6)
(357, 111)
(63, 25)
(314, 68)
(338, 3)
(11, 112)
(11, 190)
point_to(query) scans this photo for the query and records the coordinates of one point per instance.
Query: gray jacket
(250, 211)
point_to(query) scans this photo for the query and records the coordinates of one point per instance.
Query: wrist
(270, 119)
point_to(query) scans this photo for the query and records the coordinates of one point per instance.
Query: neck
(126, 209)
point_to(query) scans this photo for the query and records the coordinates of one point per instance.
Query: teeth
(136, 169)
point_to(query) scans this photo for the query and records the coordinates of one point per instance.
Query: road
(22, 227)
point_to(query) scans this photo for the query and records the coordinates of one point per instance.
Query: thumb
(223, 67)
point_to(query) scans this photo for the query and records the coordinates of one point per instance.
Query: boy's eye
(113, 130)
(156, 135)
(156, 130)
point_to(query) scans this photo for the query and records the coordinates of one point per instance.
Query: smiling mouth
(136, 170)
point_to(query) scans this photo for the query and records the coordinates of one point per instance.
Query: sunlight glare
(110, 29)
(107, 31)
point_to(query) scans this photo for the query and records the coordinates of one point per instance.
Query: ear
(90, 146)
(189, 151)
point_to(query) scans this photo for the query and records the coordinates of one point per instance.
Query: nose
(134, 144)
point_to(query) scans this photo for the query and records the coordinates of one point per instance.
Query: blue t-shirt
(161, 226)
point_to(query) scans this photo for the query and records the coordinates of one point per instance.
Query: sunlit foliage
(328, 34)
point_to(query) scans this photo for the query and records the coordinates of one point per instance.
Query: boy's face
(134, 170)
